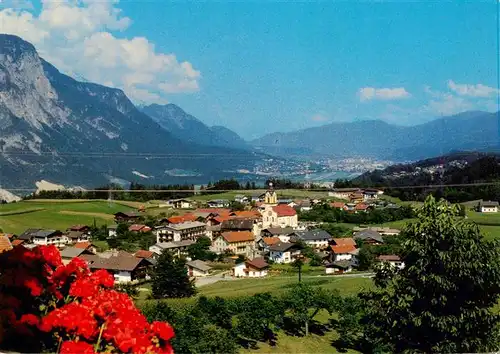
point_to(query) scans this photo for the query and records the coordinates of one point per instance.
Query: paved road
(214, 279)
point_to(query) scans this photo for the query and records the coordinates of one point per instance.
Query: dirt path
(96, 215)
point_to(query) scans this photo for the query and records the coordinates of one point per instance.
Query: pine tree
(170, 278)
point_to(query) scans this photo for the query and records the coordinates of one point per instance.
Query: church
(277, 215)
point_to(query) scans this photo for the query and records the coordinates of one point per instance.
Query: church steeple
(271, 197)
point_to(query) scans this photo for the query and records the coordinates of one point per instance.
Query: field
(282, 193)
(489, 223)
(51, 214)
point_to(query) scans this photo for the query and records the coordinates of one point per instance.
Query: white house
(177, 248)
(218, 203)
(343, 193)
(343, 249)
(488, 207)
(256, 268)
(317, 238)
(188, 230)
(393, 260)
(339, 267)
(283, 252)
(44, 237)
(181, 203)
(279, 216)
(198, 268)
(238, 242)
(112, 230)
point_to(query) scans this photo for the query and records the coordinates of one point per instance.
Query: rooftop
(238, 236)
(175, 244)
(284, 210)
(184, 225)
(283, 247)
(279, 230)
(199, 265)
(389, 258)
(71, 252)
(313, 235)
(257, 263)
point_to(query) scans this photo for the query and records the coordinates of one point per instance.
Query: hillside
(55, 128)
(377, 139)
(190, 129)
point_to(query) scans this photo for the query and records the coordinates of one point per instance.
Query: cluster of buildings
(269, 232)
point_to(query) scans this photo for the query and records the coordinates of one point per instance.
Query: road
(214, 279)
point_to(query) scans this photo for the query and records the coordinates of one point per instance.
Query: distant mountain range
(55, 128)
(188, 128)
(377, 139)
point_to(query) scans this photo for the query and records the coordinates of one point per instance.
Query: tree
(442, 300)
(170, 278)
(237, 206)
(304, 302)
(199, 249)
(259, 316)
(366, 257)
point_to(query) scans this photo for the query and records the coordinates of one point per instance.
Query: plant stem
(99, 338)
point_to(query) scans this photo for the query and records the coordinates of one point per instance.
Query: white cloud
(79, 38)
(386, 94)
(477, 90)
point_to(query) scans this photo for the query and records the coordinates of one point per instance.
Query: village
(251, 242)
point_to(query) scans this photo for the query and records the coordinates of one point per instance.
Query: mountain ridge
(56, 128)
(379, 139)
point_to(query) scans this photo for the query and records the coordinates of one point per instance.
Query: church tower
(271, 198)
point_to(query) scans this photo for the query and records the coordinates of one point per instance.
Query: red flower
(34, 285)
(104, 278)
(83, 288)
(51, 255)
(72, 347)
(29, 319)
(162, 330)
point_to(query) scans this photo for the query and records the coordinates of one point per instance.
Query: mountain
(55, 128)
(377, 139)
(188, 128)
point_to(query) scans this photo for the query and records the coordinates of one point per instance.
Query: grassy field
(17, 217)
(282, 193)
(489, 223)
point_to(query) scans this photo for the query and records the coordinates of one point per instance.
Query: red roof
(238, 236)
(339, 205)
(347, 241)
(143, 254)
(343, 249)
(17, 242)
(284, 210)
(83, 245)
(222, 218)
(361, 206)
(5, 244)
(178, 219)
(257, 263)
(248, 214)
(270, 240)
(139, 227)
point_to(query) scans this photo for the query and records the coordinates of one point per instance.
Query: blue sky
(259, 67)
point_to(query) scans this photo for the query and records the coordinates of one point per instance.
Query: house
(49, 237)
(280, 215)
(177, 248)
(393, 260)
(68, 253)
(338, 205)
(249, 214)
(17, 242)
(179, 219)
(213, 231)
(384, 231)
(342, 249)
(284, 252)
(316, 238)
(356, 197)
(112, 230)
(218, 203)
(27, 236)
(238, 242)
(87, 246)
(181, 203)
(139, 228)
(369, 236)
(124, 266)
(189, 230)
(77, 236)
(150, 255)
(128, 216)
(240, 198)
(238, 224)
(198, 268)
(283, 233)
(339, 267)
(265, 242)
(361, 207)
(255, 268)
(343, 193)
(257, 197)
(79, 228)
(488, 207)
(370, 194)
(5, 244)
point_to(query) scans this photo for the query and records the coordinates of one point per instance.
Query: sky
(258, 67)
